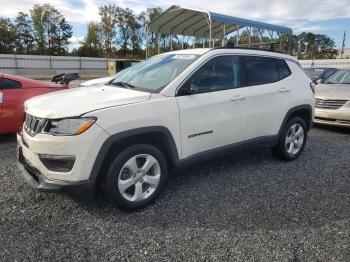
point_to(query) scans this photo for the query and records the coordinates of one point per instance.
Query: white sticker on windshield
(186, 57)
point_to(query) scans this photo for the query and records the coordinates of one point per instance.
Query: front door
(212, 107)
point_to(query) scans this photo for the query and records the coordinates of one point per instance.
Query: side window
(283, 69)
(9, 84)
(259, 70)
(219, 73)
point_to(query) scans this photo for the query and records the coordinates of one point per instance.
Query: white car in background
(97, 81)
(105, 80)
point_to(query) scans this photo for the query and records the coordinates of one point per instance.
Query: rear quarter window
(283, 69)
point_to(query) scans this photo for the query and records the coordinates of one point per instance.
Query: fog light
(57, 163)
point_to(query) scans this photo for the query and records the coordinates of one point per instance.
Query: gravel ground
(248, 206)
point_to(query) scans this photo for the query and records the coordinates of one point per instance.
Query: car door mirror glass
(189, 88)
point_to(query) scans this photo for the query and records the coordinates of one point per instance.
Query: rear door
(11, 113)
(269, 94)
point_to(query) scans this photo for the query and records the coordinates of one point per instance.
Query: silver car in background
(333, 99)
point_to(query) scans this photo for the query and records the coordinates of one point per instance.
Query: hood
(333, 91)
(98, 81)
(78, 101)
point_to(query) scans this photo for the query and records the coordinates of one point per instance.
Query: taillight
(312, 86)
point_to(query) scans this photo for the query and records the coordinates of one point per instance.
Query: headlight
(69, 126)
(347, 104)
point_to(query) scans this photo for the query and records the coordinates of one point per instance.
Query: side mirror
(187, 89)
(318, 81)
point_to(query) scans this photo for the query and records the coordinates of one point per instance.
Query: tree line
(44, 31)
(120, 33)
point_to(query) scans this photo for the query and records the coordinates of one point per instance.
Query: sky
(330, 17)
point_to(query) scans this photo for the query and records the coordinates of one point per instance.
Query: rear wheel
(292, 140)
(136, 176)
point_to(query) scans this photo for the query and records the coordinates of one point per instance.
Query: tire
(286, 150)
(136, 176)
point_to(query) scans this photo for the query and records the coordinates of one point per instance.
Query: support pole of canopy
(208, 18)
(237, 35)
(280, 37)
(146, 36)
(171, 42)
(193, 42)
(224, 34)
(203, 42)
(249, 29)
(158, 44)
(210, 34)
(289, 44)
(260, 36)
(182, 42)
(271, 36)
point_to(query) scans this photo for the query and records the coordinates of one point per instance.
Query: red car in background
(14, 90)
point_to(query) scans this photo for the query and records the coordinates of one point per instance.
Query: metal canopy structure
(190, 22)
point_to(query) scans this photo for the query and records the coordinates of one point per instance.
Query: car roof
(239, 50)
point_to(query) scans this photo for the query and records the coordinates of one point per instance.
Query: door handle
(238, 98)
(284, 90)
(1, 97)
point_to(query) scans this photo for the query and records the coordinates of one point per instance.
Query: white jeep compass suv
(172, 109)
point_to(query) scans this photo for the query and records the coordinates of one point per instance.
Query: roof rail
(230, 45)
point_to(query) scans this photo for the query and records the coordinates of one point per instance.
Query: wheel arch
(302, 111)
(156, 135)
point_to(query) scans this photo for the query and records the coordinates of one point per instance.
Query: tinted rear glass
(259, 70)
(283, 69)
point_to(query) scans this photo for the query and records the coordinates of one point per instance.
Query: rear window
(260, 70)
(264, 70)
(9, 84)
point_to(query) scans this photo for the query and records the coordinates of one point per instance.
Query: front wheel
(292, 140)
(136, 176)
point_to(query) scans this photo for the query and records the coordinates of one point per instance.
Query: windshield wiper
(124, 84)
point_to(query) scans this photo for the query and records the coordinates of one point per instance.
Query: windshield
(341, 76)
(155, 73)
(315, 73)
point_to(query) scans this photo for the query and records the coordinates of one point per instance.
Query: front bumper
(84, 148)
(333, 117)
(39, 181)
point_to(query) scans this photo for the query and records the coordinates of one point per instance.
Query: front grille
(33, 125)
(330, 103)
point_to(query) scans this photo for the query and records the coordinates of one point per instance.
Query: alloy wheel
(294, 139)
(139, 177)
